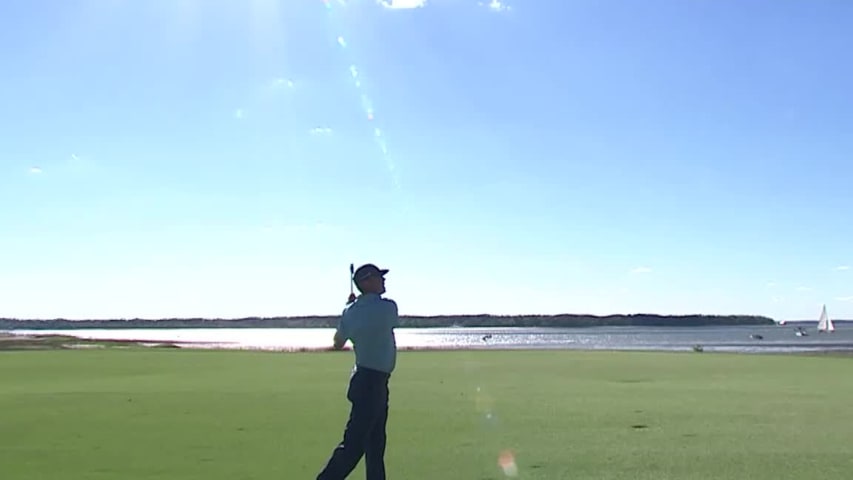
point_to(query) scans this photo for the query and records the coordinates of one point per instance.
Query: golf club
(351, 280)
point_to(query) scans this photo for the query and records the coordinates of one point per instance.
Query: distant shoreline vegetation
(441, 321)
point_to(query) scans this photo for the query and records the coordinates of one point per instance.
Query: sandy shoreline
(11, 341)
(50, 341)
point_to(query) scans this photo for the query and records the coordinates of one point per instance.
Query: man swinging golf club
(368, 321)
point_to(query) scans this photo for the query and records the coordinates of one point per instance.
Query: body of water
(730, 339)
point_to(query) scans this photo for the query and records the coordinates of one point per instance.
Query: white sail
(824, 324)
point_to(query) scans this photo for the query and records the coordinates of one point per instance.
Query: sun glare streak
(366, 103)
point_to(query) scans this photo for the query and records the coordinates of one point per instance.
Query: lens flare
(506, 461)
(484, 402)
(485, 407)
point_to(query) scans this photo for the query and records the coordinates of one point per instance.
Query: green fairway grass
(191, 414)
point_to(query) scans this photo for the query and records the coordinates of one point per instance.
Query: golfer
(369, 323)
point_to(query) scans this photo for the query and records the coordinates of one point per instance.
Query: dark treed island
(330, 321)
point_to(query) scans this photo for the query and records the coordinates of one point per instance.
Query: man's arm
(393, 314)
(340, 335)
(340, 341)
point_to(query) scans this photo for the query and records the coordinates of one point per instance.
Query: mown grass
(190, 414)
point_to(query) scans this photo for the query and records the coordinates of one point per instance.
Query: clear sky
(177, 158)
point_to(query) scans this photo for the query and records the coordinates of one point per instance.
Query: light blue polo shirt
(369, 324)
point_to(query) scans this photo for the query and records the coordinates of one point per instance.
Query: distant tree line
(564, 320)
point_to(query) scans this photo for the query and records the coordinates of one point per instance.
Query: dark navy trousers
(364, 435)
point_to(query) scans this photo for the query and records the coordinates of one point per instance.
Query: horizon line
(448, 315)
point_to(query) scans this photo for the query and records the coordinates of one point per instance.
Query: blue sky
(216, 158)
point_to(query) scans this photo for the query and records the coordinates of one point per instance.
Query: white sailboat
(824, 324)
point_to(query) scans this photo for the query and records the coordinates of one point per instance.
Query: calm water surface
(735, 339)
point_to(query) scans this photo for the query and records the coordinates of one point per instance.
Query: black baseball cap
(368, 270)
